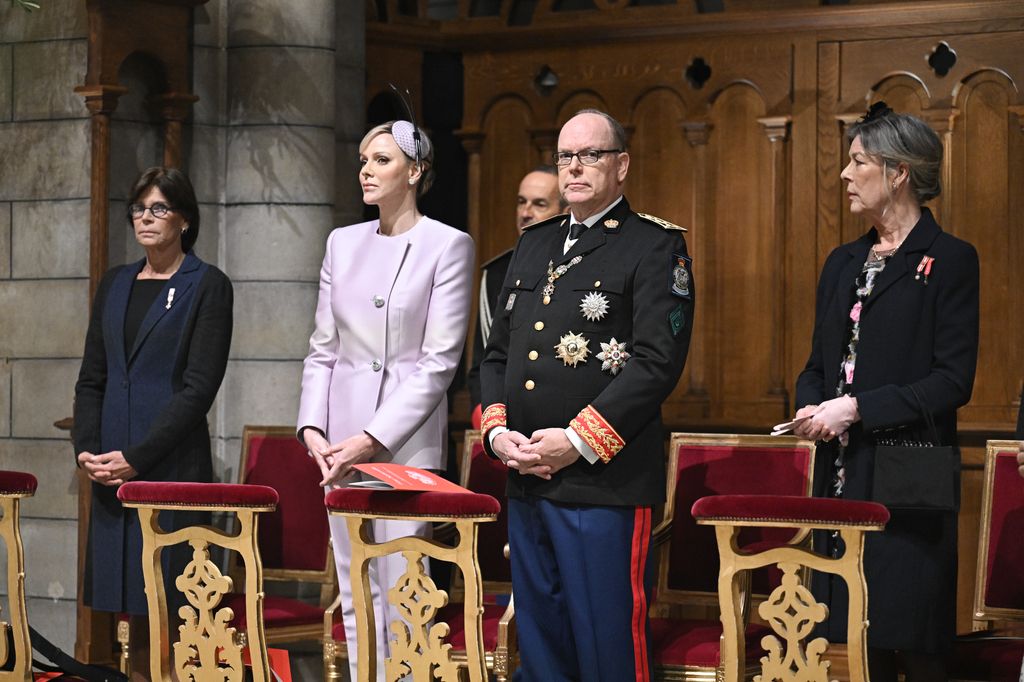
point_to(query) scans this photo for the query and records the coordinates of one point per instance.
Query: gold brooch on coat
(572, 349)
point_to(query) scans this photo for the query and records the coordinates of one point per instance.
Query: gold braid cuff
(597, 433)
(493, 416)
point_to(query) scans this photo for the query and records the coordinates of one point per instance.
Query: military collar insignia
(661, 222)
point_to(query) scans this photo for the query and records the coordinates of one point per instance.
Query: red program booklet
(400, 477)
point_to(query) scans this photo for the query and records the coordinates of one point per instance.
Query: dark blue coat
(151, 405)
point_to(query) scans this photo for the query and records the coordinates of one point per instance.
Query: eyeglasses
(588, 157)
(157, 210)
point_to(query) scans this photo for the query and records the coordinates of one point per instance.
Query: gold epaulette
(661, 222)
(559, 217)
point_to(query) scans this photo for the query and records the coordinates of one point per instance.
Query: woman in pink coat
(391, 320)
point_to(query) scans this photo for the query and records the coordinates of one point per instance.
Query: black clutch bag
(914, 474)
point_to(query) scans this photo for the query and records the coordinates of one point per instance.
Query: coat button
(378, 301)
(533, 355)
(538, 326)
(518, 282)
(529, 384)
(376, 365)
(597, 284)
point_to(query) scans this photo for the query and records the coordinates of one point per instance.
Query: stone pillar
(44, 285)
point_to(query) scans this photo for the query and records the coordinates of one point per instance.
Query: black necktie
(576, 229)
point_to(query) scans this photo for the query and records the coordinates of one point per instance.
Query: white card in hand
(786, 427)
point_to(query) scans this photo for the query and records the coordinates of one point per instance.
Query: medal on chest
(553, 275)
(572, 349)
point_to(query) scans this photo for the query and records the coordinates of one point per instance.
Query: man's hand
(109, 468)
(554, 450)
(509, 447)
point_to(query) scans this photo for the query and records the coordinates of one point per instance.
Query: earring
(184, 229)
(411, 181)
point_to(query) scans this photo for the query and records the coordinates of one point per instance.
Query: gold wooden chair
(994, 651)
(418, 647)
(208, 647)
(790, 609)
(14, 486)
(685, 629)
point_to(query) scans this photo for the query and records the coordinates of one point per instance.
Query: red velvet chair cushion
(197, 494)
(987, 659)
(788, 508)
(17, 483)
(404, 503)
(295, 536)
(452, 614)
(338, 632)
(489, 476)
(697, 642)
(704, 470)
(1004, 587)
(278, 612)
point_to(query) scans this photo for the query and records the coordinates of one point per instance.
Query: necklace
(882, 255)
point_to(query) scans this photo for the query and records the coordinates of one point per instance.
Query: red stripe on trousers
(638, 562)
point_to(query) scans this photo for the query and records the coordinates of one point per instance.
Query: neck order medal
(572, 349)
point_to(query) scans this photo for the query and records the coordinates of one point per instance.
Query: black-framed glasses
(157, 210)
(588, 157)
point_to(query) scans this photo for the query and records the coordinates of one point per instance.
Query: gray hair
(903, 138)
(618, 132)
(426, 154)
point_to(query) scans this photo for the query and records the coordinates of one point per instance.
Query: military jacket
(594, 339)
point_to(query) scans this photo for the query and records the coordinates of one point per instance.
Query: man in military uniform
(589, 339)
(538, 199)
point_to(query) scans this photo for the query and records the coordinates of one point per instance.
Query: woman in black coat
(896, 309)
(154, 358)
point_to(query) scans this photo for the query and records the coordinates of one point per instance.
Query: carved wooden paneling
(507, 140)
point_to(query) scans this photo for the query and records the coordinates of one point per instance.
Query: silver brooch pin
(613, 356)
(594, 306)
(170, 298)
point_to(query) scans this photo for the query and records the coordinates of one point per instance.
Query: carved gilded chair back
(17, 659)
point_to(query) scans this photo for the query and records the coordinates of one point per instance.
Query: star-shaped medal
(572, 349)
(613, 356)
(594, 306)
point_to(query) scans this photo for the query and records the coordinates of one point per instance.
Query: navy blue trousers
(581, 579)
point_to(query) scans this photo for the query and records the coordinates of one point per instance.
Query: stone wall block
(273, 85)
(134, 147)
(276, 242)
(49, 571)
(5, 401)
(260, 392)
(351, 125)
(207, 246)
(6, 73)
(55, 618)
(42, 391)
(271, 22)
(208, 22)
(50, 239)
(273, 320)
(53, 463)
(270, 164)
(351, 34)
(55, 19)
(5, 239)
(45, 76)
(210, 65)
(43, 319)
(205, 162)
(226, 458)
(53, 160)
(348, 208)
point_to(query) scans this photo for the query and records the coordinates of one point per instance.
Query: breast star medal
(613, 356)
(594, 306)
(572, 349)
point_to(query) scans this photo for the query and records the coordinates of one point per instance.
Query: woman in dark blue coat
(155, 355)
(897, 313)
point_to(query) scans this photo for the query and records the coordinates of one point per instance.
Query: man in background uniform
(538, 199)
(589, 338)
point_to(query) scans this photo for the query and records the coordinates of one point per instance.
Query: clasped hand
(544, 453)
(828, 420)
(109, 468)
(336, 461)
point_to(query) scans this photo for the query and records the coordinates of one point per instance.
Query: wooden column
(777, 130)
(545, 140)
(697, 133)
(173, 108)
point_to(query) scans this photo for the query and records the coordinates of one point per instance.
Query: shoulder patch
(504, 254)
(540, 223)
(660, 222)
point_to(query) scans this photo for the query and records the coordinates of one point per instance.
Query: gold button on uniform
(518, 281)
(597, 283)
(538, 326)
(533, 355)
(529, 384)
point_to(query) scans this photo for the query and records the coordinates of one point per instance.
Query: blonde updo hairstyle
(426, 149)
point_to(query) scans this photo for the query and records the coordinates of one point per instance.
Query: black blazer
(913, 331)
(488, 307)
(630, 262)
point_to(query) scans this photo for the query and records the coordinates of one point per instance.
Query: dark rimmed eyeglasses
(588, 157)
(157, 210)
